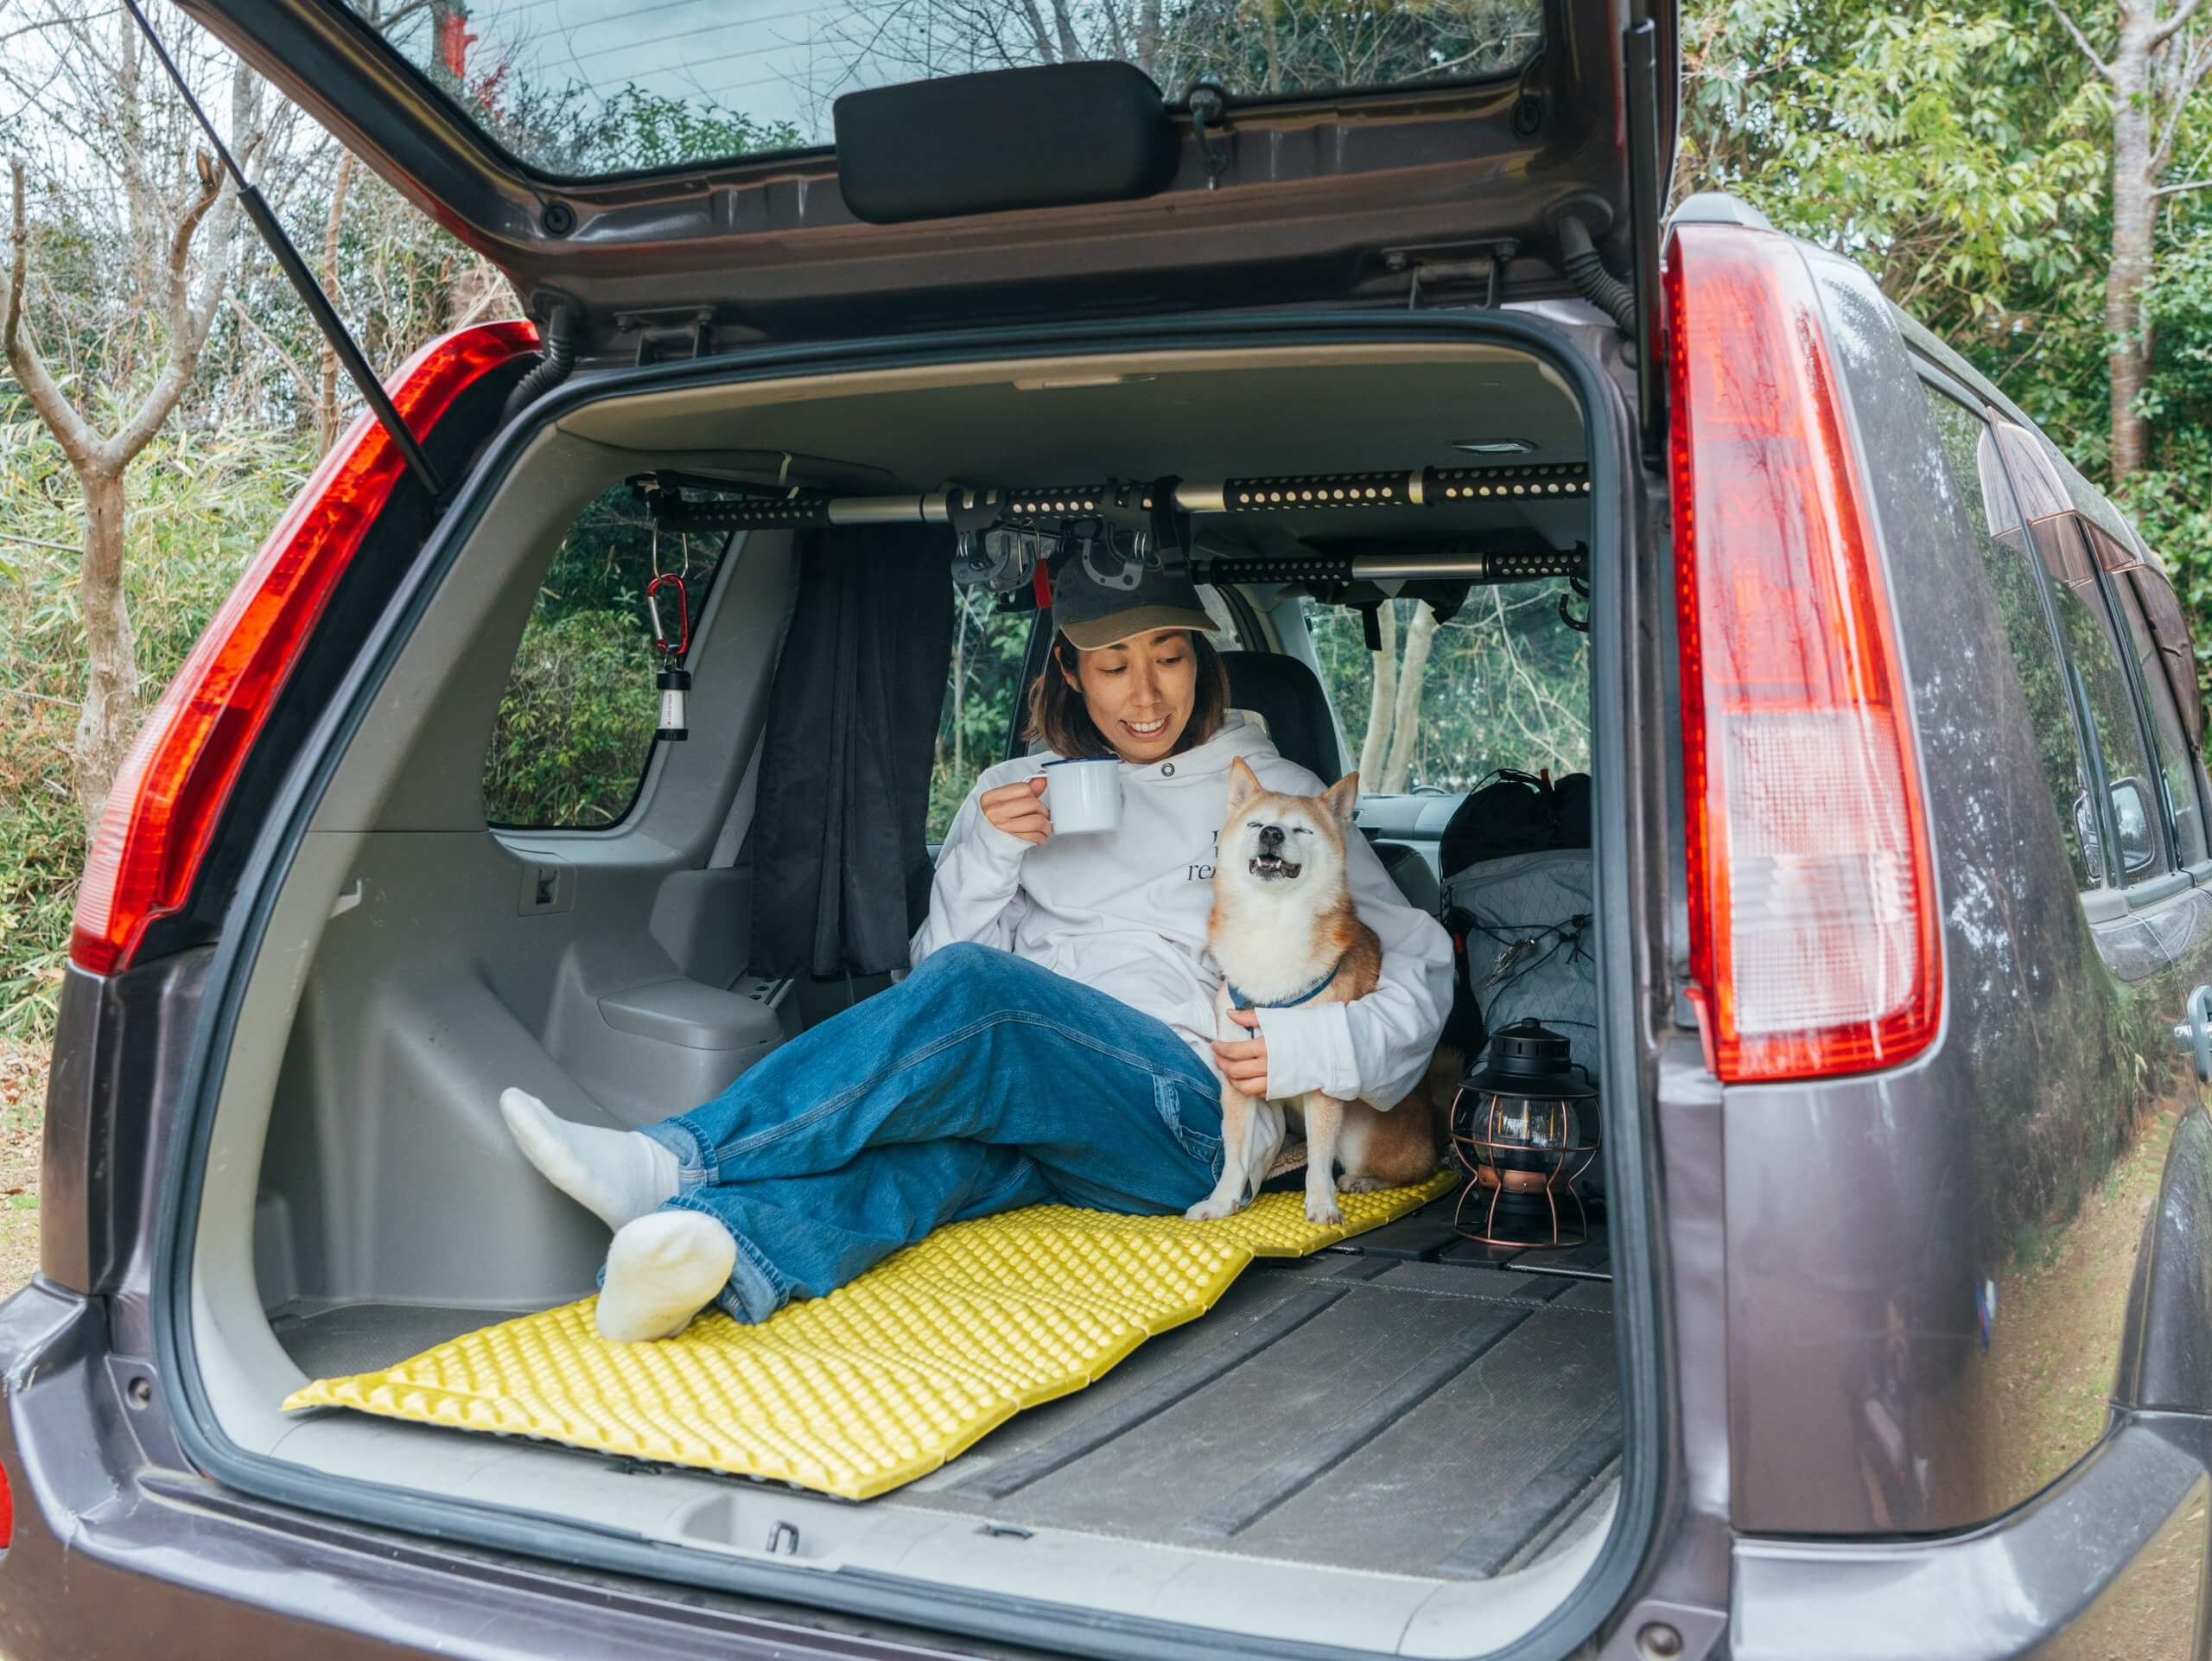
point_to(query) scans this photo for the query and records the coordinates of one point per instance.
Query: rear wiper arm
(296, 271)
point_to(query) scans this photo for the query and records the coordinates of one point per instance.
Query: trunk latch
(1455, 265)
(690, 327)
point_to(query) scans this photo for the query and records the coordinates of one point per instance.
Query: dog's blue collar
(1243, 1001)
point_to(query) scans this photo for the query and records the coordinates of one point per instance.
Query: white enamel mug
(1083, 796)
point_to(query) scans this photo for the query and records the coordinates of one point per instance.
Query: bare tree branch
(2195, 65)
(69, 429)
(273, 347)
(1070, 49)
(2174, 24)
(2081, 40)
(1037, 26)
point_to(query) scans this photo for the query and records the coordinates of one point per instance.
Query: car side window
(1970, 449)
(575, 729)
(979, 701)
(2085, 634)
(2170, 740)
(1503, 683)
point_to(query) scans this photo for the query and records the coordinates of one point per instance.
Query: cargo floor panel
(1384, 1406)
(324, 1340)
(1317, 1416)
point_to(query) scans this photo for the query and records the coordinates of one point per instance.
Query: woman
(1055, 1041)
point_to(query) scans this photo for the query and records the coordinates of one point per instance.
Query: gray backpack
(1530, 947)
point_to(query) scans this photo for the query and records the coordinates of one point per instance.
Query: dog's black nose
(1271, 835)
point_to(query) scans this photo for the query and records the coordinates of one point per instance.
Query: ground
(22, 1102)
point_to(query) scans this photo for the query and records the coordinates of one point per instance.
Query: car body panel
(1905, 1250)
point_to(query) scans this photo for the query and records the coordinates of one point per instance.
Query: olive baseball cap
(1093, 616)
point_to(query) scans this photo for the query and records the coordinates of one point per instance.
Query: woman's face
(1140, 692)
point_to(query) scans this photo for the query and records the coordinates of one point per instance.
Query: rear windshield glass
(579, 87)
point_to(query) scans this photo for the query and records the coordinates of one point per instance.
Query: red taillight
(1813, 930)
(7, 1511)
(155, 828)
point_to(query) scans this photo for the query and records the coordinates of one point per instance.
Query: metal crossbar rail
(802, 507)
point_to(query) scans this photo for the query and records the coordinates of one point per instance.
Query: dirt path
(23, 1103)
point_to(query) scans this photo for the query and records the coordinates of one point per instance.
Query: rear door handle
(2194, 1037)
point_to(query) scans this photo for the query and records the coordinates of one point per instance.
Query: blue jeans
(979, 1083)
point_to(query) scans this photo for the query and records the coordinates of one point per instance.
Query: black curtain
(845, 762)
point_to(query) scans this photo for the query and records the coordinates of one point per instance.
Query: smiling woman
(1134, 675)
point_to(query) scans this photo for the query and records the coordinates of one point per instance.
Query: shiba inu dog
(1285, 931)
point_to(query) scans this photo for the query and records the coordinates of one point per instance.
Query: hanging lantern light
(1527, 1128)
(672, 678)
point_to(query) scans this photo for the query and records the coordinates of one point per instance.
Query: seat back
(1288, 697)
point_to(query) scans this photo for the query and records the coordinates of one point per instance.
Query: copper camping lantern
(1526, 1126)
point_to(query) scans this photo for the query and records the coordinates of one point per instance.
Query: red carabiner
(683, 614)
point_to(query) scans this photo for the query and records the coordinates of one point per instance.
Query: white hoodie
(1126, 913)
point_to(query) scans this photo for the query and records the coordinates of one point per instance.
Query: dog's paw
(1212, 1209)
(1323, 1211)
(1361, 1184)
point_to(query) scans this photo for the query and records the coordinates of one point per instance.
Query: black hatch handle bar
(296, 271)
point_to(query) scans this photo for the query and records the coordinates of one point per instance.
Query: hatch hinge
(1451, 269)
(670, 335)
(1208, 103)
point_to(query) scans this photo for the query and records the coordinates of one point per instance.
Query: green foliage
(1257, 47)
(1962, 156)
(1507, 686)
(979, 701)
(201, 501)
(575, 725)
(636, 129)
(2171, 502)
(574, 128)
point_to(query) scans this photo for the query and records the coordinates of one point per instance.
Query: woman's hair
(1059, 716)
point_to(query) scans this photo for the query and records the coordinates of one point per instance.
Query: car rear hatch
(1289, 153)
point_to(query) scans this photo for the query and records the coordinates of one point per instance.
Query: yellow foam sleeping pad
(887, 1377)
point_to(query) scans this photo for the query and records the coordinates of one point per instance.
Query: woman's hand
(1245, 1063)
(1019, 809)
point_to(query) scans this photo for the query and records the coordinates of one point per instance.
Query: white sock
(619, 1175)
(662, 1270)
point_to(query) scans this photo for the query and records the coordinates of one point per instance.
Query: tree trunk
(2130, 246)
(1405, 725)
(110, 716)
(1149, 38)
(1384, 699)
(326, 401)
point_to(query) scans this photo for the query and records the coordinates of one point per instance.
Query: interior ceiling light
(1493, 446)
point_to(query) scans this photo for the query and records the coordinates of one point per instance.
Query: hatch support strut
(296, 271)
(1640, 107)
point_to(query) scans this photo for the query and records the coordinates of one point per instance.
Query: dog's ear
(1244, 783)
(1343, 797)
